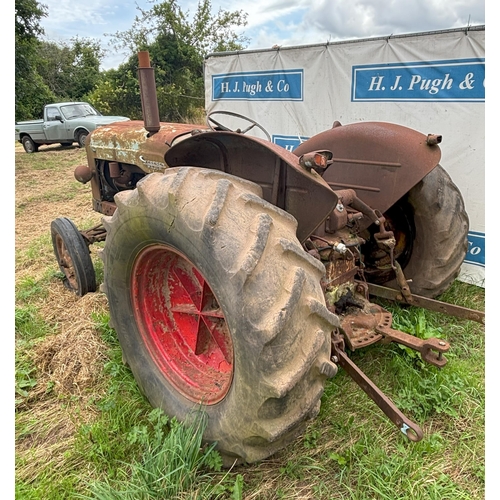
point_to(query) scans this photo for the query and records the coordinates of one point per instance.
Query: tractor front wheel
(73, 256)
(216, 305)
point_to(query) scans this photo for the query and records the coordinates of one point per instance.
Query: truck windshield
(78, 111)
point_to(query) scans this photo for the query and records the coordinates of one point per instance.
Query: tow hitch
(368, 323)
(410, 429)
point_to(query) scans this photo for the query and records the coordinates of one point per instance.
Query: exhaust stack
(149, 101)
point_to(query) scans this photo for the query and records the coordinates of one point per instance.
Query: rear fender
(380, 161)
(284, 182)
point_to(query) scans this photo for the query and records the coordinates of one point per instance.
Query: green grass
(350, 451)
(98, 438)
(172, 463)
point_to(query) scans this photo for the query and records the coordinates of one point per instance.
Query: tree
(118, 92)
(205, 33)
(177, 47)
(46, 71)
(31, 93)
(70, 70)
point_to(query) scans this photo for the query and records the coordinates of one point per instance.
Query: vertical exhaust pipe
(149, 101)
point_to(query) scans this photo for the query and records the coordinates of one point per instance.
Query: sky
(270, 22)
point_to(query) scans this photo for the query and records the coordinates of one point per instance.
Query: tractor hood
(129, 142)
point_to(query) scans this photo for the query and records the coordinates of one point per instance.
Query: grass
(84, 430)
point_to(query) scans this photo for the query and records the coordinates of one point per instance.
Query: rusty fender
(285, 183)
(380, 161)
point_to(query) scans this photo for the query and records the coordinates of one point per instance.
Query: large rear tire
(431, 227)
(215, 302)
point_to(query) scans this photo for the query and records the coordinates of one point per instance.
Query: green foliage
(301, 468)
(70, 70)
(101, 321)
(45, 71)
(178, 44)
(177, 48)
(28, 16)
(415, 322)
(311, 438)
(118, 92)
(433, 393)
(29, 288)
(29, 325)
(194, 38)
(31, 92)
(170, 463)
(25, 378)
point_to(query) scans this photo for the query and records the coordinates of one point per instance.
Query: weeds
(173, 463)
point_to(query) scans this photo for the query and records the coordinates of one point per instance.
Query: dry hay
(42, 196)
(52, 433)
(71, 360)
(69, 363)
(69, 368)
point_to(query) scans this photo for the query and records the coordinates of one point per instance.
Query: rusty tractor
(239, 274)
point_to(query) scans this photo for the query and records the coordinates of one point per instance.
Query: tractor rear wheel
(431, 227)
(215, 303)
(73, 257)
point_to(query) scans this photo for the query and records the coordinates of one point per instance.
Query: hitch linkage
(410, 429)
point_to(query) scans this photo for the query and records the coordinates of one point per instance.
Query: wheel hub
(182, 324)
(66, 263)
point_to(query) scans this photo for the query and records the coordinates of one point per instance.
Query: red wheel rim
(182, 324)
(65, 262)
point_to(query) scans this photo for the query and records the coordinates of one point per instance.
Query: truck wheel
(29, 145)
(431, 227)
(81, 138)
(215, 303)
(73, 257)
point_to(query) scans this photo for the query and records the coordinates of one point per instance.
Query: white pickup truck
(64, 123)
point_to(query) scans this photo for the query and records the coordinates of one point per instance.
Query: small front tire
(73, 257)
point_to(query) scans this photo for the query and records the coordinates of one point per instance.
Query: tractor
(238, 274)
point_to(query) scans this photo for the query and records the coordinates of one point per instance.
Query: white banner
(432, 82)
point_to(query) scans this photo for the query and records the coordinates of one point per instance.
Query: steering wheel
(212, 123)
